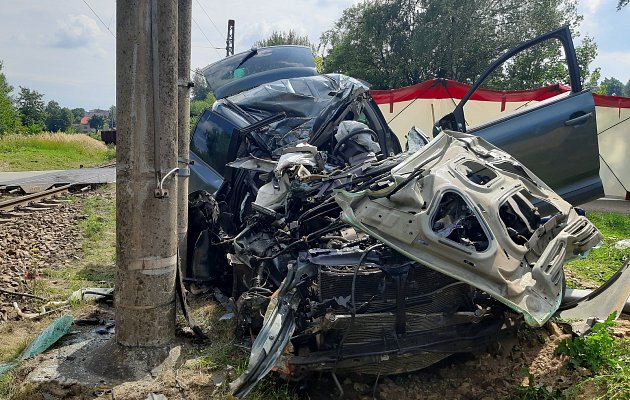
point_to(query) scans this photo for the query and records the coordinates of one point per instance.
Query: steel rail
(108, 165)
(12, 204)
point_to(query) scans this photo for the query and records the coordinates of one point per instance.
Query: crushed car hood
(468, 210)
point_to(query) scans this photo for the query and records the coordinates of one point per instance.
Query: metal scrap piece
(597, 306)
(276, 332)
(461, 230)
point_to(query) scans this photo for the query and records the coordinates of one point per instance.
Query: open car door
(556, 138)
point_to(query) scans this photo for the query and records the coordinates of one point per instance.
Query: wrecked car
(335, 250)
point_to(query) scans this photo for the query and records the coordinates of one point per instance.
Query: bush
(595, 350)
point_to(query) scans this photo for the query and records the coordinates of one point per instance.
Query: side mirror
(453, 121)
(447, 122)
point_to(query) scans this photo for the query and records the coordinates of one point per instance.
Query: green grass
(98, 232)
(214, 357)
(95, 268)
(533, 390)
(604, 355)
(594, 351)
(98, 245)
(99, 229)
(604, 360)
(48, 151)
(604, 261)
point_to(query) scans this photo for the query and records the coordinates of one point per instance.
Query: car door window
(519, 85)
(556, 138)
(457, 119)
(388, 141)
(211, 140)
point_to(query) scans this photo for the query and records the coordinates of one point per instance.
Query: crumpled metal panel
(276, 332)
(609, 298)
(310, 104)
(465, 208)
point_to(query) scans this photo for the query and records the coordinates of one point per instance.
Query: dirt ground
(484, 376)
(192, 369)
(48, 239)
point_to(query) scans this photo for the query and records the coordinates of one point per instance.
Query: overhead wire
(204, 35)
(111, 19)
(208, 47)
(100, 19)
(212, 46)
(207, 15)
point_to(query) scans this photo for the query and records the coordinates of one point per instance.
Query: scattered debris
(47, 338)
(43, 311)
(33, 243)
(92, 295)
(12, 293)
(622, 244)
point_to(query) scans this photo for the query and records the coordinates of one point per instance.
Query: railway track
(20, 205)
(108, 165)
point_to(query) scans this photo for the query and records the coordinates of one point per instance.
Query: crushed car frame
(337, 251)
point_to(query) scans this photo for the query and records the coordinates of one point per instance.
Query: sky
(66, 49)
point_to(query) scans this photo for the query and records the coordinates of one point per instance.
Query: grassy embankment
(97, 265)
(604, 261)
(48, 151)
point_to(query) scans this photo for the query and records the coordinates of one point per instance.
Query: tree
(96, 122)
(200, 89)
(278, 38)
(9, 120)
(626, 89)
(57, 119)
(198, 106)
(32, 109)
(111, 118)
(393, 43)
(612, 87)
(77, 115)
(621, 4)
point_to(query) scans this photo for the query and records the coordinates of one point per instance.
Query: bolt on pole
(146, 188)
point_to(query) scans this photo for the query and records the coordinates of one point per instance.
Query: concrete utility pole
(183, 122)
(146, 189)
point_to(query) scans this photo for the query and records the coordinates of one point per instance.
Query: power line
(208, 47)
(99, 18)
(213, 24)
(111, 19)
(204, 35)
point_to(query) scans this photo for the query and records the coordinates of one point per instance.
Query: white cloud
(592, 6)
(75, 31)
(614, 64)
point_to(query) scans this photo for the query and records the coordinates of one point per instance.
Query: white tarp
(423, 104)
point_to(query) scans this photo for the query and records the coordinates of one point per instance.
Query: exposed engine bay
(338, 257)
